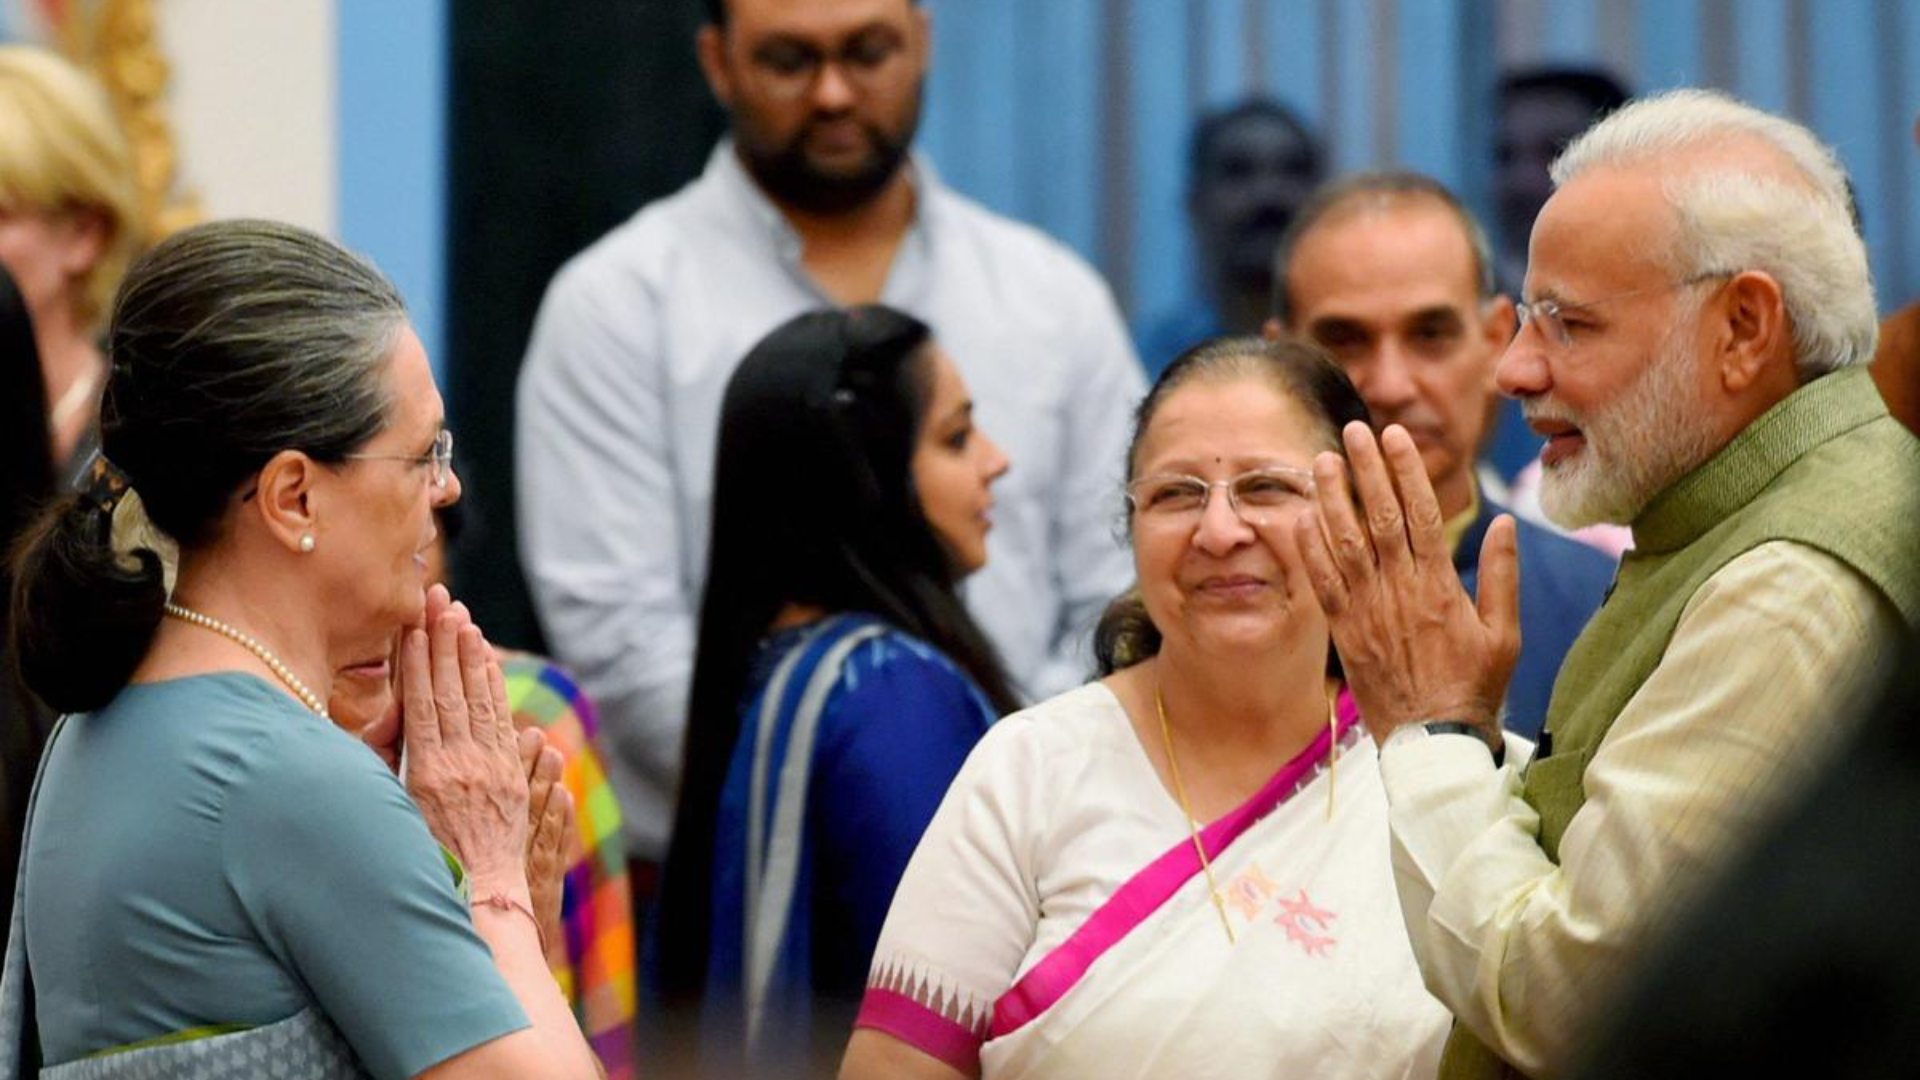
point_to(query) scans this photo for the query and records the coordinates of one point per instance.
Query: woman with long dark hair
(839, 682)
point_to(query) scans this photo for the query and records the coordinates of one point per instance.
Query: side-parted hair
(813, 504)
(1299, 369)
(65, 151)
(230, 342)
(1384, 190)
(1802, 234)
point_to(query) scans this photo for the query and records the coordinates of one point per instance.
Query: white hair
(1735, 219)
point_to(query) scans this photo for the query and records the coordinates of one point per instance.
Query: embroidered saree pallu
(1124, 965)
(302, 1047)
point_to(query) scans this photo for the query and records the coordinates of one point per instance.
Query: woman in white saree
(1181, 869)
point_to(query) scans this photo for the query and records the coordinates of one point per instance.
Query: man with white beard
(1693, 343)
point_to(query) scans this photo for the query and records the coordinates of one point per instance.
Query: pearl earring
(306, 543)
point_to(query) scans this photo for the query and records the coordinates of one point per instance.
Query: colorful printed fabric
(594, 961)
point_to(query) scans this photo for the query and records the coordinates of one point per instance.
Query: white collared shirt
(619, 401)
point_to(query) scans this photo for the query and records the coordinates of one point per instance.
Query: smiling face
(825, 95)
(1217, 585)
(1394, 294)
(1624, 407)
(378, 530)
(954, 467)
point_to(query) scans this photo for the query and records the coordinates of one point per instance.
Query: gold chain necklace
(1186, 808)
(245, 641)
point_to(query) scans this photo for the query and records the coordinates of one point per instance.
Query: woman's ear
(286, 500)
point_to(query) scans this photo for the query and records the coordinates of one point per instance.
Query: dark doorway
(565, 119)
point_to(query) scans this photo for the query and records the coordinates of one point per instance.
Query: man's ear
(1499, 321)
(1752, 331)
(710, 45)
(287, 506)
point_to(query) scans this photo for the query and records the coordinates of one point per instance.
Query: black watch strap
(1460, 727)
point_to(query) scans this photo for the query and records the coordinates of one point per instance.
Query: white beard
(1636, 445)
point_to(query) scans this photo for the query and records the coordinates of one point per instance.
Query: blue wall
(1073, 114)
(393, 150)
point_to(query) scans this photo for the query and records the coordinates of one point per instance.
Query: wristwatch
(1460, 727)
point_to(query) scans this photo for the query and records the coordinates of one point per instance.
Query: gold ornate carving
(117, 40)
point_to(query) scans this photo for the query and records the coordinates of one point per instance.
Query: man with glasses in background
(812, 200)
(1693, 344)
(1394, 277)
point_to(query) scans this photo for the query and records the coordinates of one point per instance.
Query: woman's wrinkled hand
(463, 761)
(550, 823)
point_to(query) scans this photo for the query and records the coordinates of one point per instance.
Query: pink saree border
(920, 1027)
(1144, 893)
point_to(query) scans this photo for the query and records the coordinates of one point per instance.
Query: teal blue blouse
(206, 853)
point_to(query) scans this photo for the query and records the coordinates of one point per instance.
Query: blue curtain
(1074, 114)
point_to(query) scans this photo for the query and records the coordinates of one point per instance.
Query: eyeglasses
(1176, 497)
(1552, 314)
(788, 69)
(440, 457)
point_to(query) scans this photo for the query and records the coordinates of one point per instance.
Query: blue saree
(850, 735)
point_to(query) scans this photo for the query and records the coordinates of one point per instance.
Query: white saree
(1054, 923)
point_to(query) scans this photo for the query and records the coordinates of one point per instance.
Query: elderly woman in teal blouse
(215, 875)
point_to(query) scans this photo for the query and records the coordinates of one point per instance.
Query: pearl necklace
(245, 641)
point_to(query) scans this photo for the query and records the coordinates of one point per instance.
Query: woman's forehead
(416, 398)
(1229, 420)
(947, 382)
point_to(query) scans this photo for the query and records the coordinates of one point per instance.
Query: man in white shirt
(813, 200)
(1692, 347)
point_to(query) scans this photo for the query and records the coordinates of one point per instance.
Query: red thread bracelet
(503, 902)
